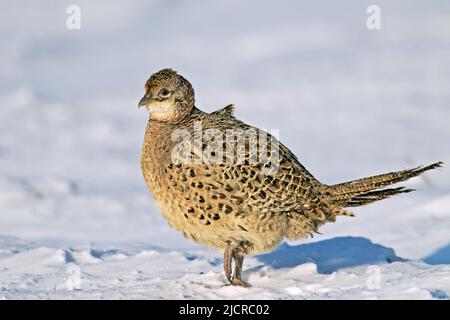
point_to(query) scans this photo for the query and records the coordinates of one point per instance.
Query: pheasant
(211, 185)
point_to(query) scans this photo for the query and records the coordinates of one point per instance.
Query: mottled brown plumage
(237, 207)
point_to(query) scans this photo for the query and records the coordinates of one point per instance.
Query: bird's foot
(239, 282)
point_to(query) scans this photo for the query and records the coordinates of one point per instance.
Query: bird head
(168, 96)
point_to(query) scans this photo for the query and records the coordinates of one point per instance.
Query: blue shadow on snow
(330, 255)
(441, 256)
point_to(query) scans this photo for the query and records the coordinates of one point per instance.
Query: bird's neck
(161, 123)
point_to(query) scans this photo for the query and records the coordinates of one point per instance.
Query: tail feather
(373, 196)
(367, 190)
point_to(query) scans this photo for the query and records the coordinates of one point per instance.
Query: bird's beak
(145, 100)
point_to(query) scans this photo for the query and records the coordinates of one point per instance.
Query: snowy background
(348, 101)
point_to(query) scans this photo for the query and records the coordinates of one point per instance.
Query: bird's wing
(283, 185)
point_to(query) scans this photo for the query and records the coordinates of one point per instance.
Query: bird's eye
(164, 93)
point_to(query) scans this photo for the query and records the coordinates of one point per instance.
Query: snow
(31, 271)
(348, 101)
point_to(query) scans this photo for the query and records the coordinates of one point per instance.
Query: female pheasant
(233, 187)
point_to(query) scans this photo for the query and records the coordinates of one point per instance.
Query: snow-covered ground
(354, 269)
(348, 101)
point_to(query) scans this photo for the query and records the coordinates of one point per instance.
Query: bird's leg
(238, 261)
(227, 259)
(234, 252)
